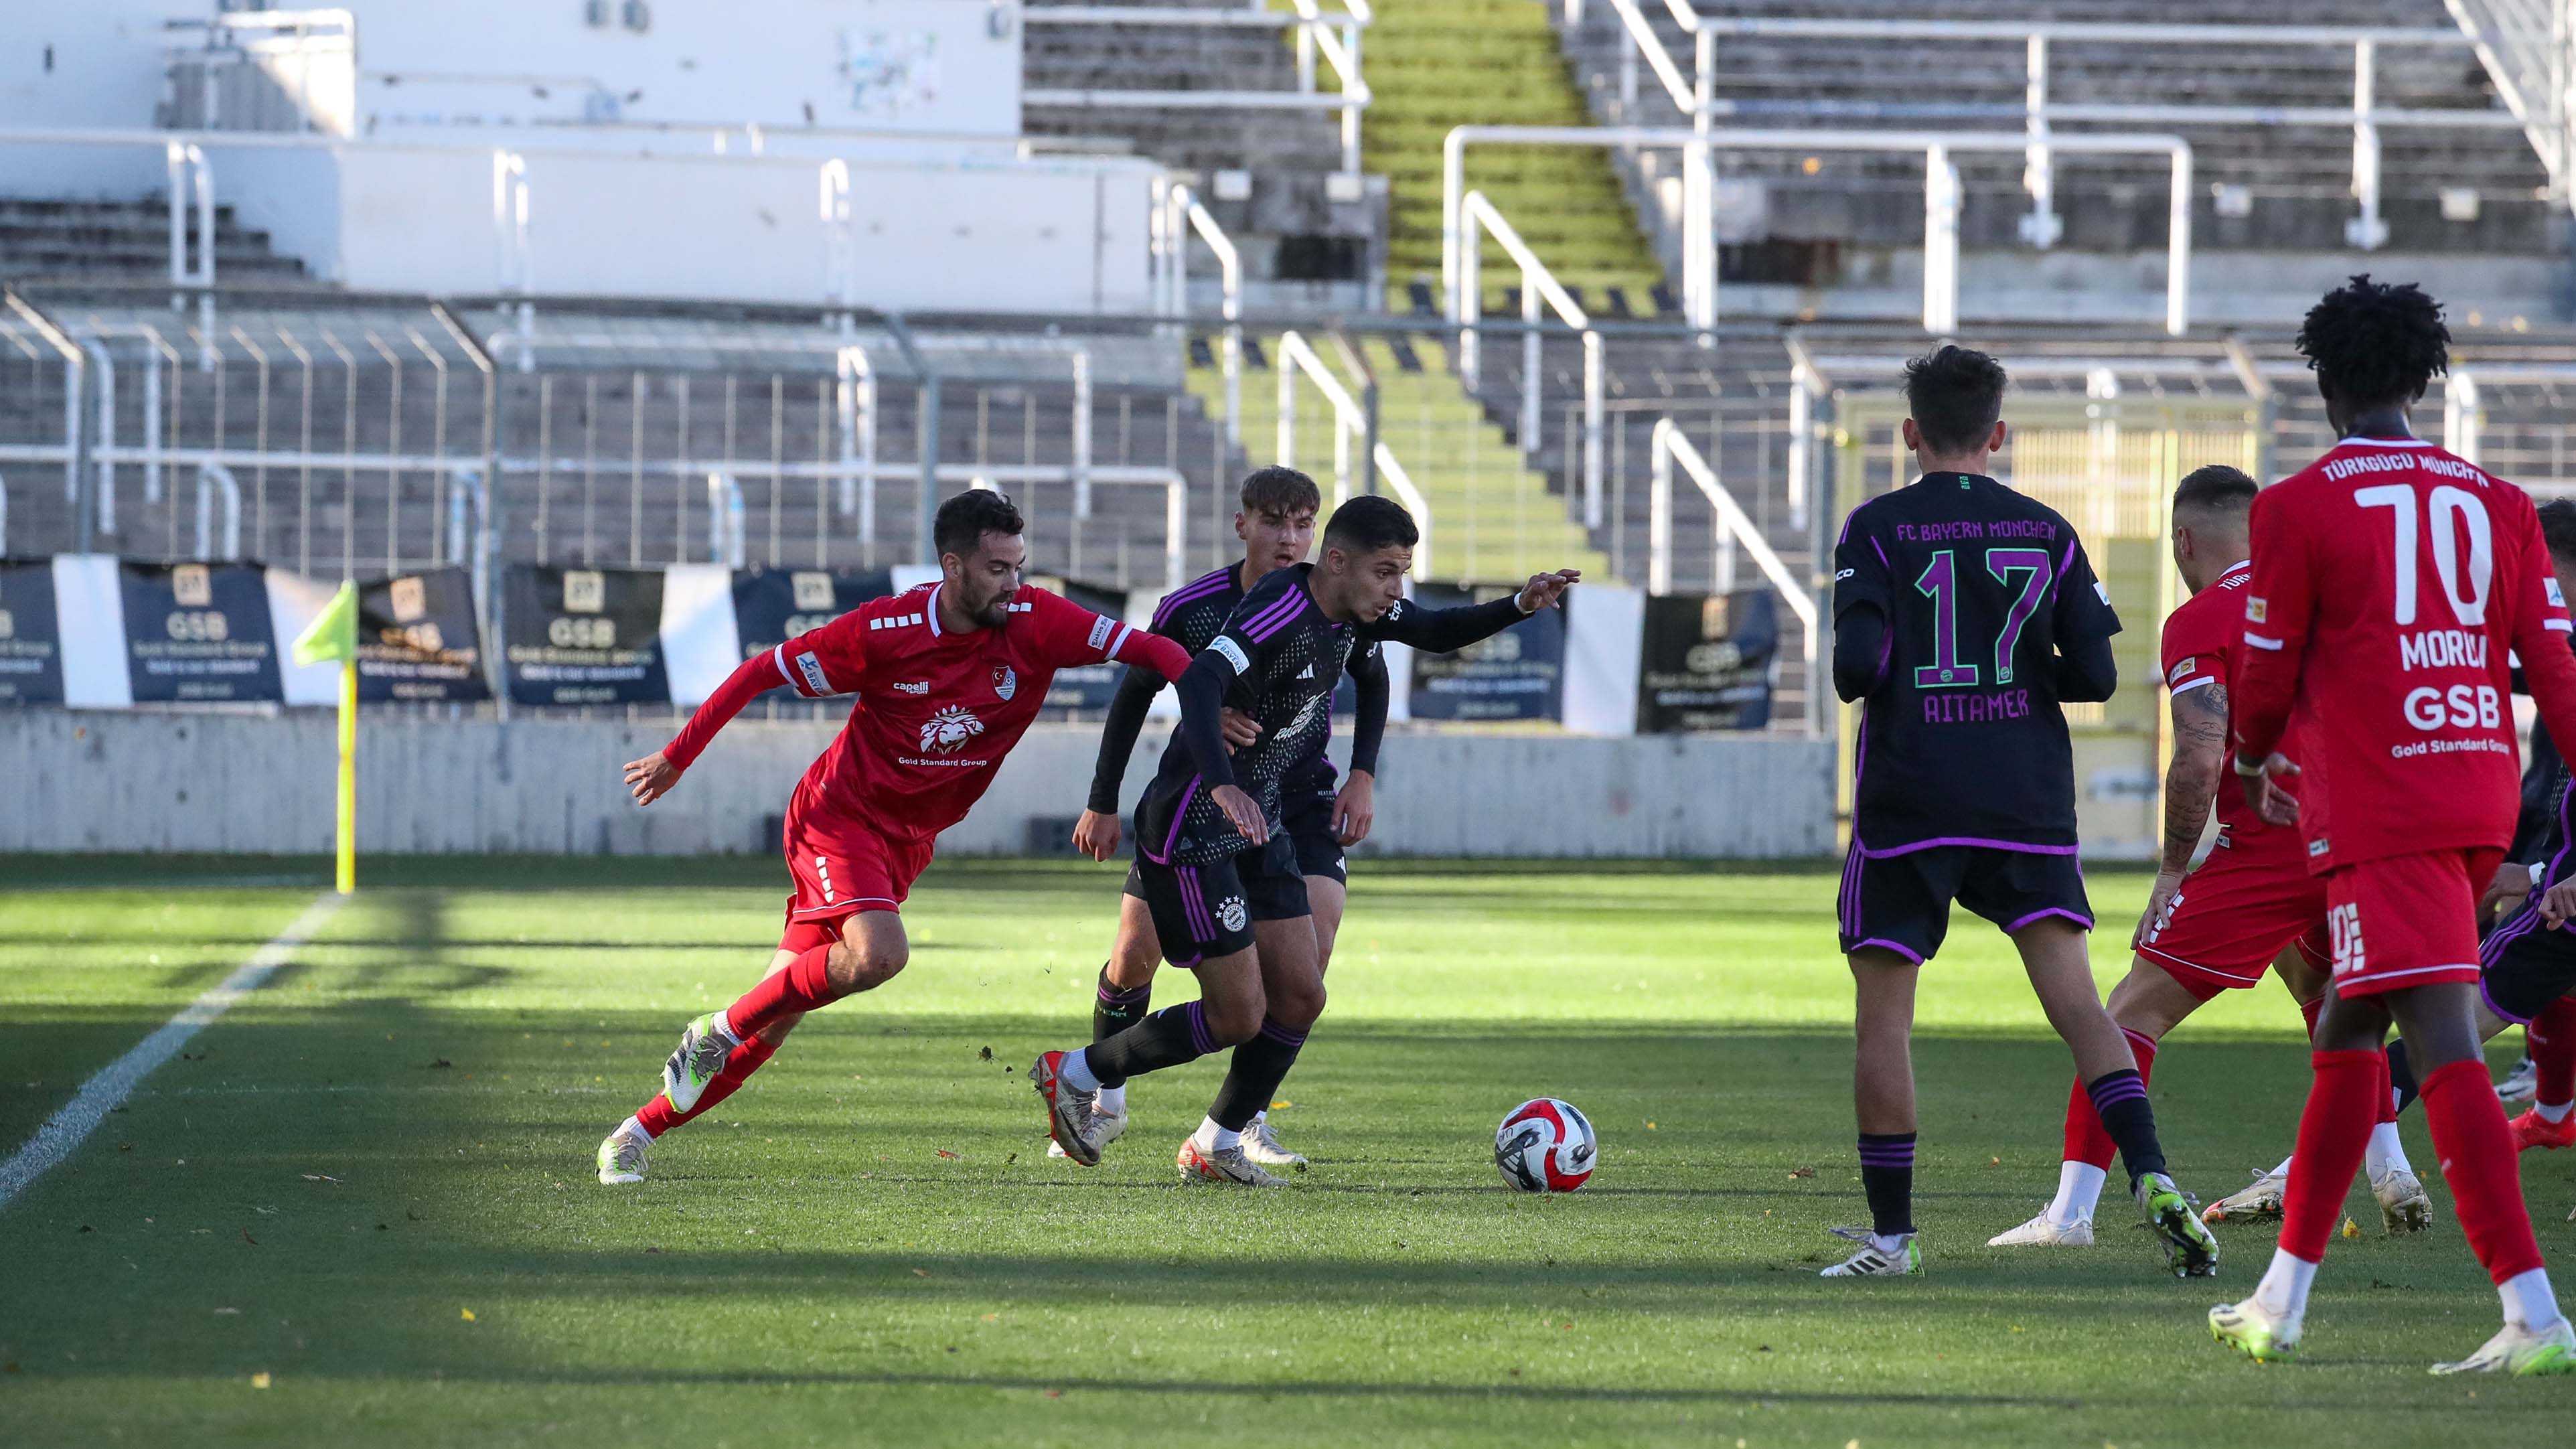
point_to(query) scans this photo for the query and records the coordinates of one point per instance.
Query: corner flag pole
(333, 635)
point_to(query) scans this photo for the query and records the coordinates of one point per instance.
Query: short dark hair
(1282, 490)
(2372, 343)
(2216, 488)
(2558, 528)
(961, 523)
(1369, 523)
(1955, 396)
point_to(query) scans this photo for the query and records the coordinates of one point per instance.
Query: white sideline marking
(99, 1095)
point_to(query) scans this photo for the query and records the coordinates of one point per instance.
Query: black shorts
(1208, 909)
(1306, 813)
(2524, 965)
(1902, 902)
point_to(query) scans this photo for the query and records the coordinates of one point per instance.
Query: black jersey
(1190, 616)
(1276, 659)
(1962, 740)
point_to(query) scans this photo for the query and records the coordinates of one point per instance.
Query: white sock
(635, 1127)
(2527, 1299)
(724, 1028)
(2552, 1111)
(2283, 1293)
(1113, 1100)
(1892, 1244)
(1212, 1138)
(2387, 1153)
(2079, 1189)
(2283, 1170)
(1075, 1072)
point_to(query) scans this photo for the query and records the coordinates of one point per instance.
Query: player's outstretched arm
(2191, 789)
(1096, 833)
(1446, 631)
(652, 777)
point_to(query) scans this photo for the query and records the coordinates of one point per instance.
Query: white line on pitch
(99, 1095)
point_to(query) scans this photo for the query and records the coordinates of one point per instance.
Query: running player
(1217, 872)
(948, 677)
(2252, 904)
(1277, 525)
(2390, 581)
(1964, 613)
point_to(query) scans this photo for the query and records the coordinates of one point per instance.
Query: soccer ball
(1545, 1146)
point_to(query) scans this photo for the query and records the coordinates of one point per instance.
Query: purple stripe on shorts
(2498, 1010)
(1202, 1040)
(1280, 1034)
(1172, 836)
(2085, 921)
(1899, 947)
(1976, 840)
(1193, 904)
(2515, 927)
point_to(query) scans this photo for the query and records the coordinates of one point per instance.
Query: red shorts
(2233, 917)
(2407, 920)
(845, 872)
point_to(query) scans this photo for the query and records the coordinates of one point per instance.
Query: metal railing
(1335, 37)
(1538, 284)
(1177, 215)
(1734, 530)
(1351, 421)
(214, 479)
(1941, 302)
(2041, 227)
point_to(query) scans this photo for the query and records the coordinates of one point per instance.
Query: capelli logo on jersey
(948, 731)
(909, 686)
(1842, 574)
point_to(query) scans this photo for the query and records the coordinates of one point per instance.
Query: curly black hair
(1955, 395)
(2373, 343)
(961, 523)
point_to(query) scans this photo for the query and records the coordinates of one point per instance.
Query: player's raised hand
(651, 777)
(2159, 905)
(1240, 729)
(1355, 809)
(2558, 905)
(2263, 792)
(1247, 817)
(1096, 834)
(1544, 590)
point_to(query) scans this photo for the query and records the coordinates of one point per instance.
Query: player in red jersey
(2251, 906)
(2391, 583)
(948, 677)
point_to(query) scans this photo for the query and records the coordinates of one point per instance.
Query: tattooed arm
(2191, 786)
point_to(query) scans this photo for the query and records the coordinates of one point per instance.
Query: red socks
(2334, 1131)
(658, 1116)
(2552, 1039)
(803, 986)
(2310, 1010)
(2479, 1162)
(2086, 1142)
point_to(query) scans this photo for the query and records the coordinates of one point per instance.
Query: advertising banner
(417, 639)
(1706, 662)
(31, 646)
(199, 633)
(772, 606)
(1518, 674)
(584, 636)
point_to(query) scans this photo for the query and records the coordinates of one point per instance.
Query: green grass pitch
(360, 1209)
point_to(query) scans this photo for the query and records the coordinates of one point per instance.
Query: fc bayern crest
(1005, 683)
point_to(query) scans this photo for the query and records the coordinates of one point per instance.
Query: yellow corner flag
(334, 635)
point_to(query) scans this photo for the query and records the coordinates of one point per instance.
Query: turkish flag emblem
(1005, 683)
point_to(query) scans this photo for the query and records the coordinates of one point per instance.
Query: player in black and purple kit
(1319, 816)
(1965, 614)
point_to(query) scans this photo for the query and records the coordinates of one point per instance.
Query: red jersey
(2391, 583)
(2202, 634)
(936, 711)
